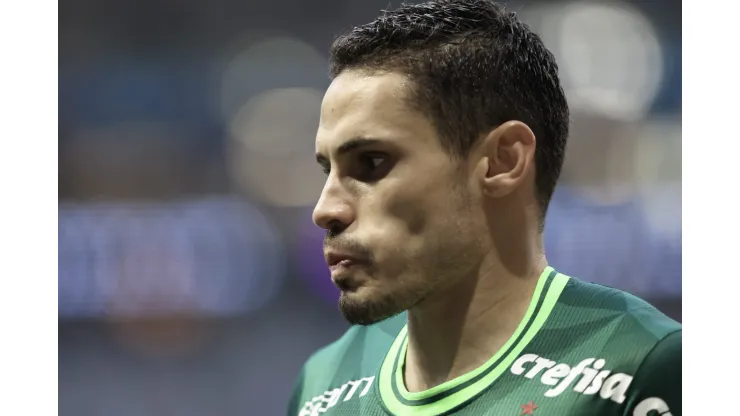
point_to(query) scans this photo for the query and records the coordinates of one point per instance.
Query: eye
(373, 161)
(372, 166)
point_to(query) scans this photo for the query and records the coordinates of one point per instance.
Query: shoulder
(657, 382)
(638, 348)
(354, 357)
(629, 316)
(350, 348)
(624, 328)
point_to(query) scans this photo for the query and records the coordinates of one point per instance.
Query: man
(442, 137)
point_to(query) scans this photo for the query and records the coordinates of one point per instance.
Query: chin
(362, 307)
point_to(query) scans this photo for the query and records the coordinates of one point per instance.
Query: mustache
(346, 245)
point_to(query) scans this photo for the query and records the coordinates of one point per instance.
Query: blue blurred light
(212, 257)
(612, 244)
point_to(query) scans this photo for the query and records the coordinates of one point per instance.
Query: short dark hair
(474, 67)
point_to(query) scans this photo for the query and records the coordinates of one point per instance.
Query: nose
(333, 212)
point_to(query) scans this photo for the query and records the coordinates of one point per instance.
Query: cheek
(420, 203)
(403, 218)
(410, 211)
(410, 215)
(395, 225)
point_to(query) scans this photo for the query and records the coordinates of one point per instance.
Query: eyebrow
(349, 146)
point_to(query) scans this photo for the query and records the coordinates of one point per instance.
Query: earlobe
(510, 153)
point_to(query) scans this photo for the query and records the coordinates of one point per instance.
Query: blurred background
(191, 279)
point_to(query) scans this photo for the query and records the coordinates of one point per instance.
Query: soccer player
(442, 136)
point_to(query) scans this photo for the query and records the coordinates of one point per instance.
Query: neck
(461, 329)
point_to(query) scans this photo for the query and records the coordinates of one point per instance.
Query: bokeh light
(609, 55)
(213, 258)
(273, 62)
(272, 146)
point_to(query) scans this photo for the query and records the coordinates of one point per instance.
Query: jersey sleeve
(656, 388)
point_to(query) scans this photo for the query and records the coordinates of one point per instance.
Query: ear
(508, 158)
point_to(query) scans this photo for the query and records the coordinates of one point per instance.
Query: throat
(445, 343)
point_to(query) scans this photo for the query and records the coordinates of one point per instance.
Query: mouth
(341, 260)
(339, 266)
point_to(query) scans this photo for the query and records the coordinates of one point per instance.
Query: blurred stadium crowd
(191, 279)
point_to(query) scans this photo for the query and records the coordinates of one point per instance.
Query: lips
(335, 259)
(340, 265)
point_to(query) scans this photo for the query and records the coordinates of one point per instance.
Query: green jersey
(580, 350)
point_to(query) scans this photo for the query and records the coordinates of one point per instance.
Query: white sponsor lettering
(588, 376)
(330, 398)
(518, 366)
(540, 364)
(572, 374)
(615, 387)
(648, 405)
(553, 375)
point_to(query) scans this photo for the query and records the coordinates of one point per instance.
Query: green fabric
(581, 349)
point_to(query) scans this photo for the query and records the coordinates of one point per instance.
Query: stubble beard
(359, 310)
(441, 264)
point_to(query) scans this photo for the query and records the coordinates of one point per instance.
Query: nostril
(335, 228)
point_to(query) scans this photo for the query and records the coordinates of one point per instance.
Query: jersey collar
(454, 394)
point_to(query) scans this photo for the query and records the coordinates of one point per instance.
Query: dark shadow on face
(416, 228)
(451, 252)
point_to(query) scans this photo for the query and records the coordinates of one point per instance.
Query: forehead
(358, 104)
